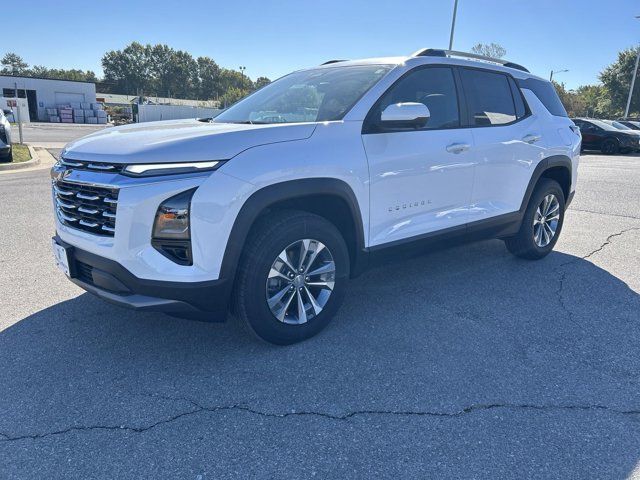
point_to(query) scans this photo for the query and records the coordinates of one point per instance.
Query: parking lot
(463, 363)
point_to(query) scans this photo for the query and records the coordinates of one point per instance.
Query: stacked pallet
(66, 114)
(52, 113)
(78, 115)
(80, 112)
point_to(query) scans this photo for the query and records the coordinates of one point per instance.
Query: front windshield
(318, 95)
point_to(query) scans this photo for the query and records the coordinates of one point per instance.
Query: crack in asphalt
(344, 417)
(563, 274)
(605, 214)
(608, 241)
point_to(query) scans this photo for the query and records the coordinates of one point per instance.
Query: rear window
(546, 94)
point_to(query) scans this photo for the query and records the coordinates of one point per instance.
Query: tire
(257, 278)
(610, 146)
(530, 241)
(8, 158)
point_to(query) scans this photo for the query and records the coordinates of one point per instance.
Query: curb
(35, 160)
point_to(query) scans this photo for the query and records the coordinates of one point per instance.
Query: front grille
(86, 207)
(92, 166)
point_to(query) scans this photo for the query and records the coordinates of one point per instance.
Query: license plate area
(62, 257)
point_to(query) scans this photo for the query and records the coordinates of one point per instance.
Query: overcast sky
(272, 38)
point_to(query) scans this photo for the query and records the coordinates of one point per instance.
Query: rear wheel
(610, 146)
(292, 277)
(541, 224)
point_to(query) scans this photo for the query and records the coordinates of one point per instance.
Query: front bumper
(112, 282)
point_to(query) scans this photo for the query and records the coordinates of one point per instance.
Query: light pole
(453, 23)
(556, 71)
(242, 69)
(633, 82)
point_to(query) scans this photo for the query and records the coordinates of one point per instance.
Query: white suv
(270, 207)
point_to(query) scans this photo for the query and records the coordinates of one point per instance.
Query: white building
(43, 93)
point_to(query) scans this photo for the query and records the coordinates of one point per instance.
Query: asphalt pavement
(52, 135)
(462, 363)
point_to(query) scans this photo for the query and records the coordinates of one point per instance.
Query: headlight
(149, 169)
(171, 228)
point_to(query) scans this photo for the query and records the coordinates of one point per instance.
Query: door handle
(531, 138)
(457, 147)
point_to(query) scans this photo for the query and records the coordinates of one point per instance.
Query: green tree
(128, 70)
(209, 85)
(616, 79)
(261, 82)
(62, 74)
(232, 95)
(159, 70)
(13, 64)
(596, 100)
(492, 50)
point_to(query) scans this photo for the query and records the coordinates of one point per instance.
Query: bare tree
(492, 50)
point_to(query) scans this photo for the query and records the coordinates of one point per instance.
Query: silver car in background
(5, 136)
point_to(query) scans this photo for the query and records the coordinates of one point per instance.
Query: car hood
(180, 140)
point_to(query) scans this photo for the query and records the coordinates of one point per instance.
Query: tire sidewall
(614, 146)
(256, 311)
(545, 188)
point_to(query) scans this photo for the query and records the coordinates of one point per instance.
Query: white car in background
(5, 136)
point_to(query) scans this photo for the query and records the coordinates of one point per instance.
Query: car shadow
(544, 353)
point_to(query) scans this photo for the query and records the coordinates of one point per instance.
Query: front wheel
(541, 224)
(610, 146)
(292, 277)
(8, 158)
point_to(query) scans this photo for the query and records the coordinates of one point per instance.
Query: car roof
(416, 60)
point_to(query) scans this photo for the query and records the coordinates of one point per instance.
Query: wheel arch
(330, 198)
(556, 167)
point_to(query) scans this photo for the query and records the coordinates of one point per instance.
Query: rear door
(508, 142)
(420, 179)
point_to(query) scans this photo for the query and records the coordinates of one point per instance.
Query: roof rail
(328, 62)
(434, 52)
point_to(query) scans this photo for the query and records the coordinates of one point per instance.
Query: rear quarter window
(546, 94)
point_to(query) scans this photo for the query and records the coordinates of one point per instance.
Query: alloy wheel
(300, 281)
(545, 220)
(609, 147)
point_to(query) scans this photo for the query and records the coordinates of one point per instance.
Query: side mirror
(405, 115)
(6, 112)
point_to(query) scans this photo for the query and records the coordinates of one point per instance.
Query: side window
(546, 94)
(489, 97)
(435, 87)
(521, 108)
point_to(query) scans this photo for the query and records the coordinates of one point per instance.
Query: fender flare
(544, 165)
(289, 190)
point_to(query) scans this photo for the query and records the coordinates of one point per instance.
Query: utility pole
(18, 110)
(453, 23)
(633, 82)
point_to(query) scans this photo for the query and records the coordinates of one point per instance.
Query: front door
(591, 134)
(420, 179)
